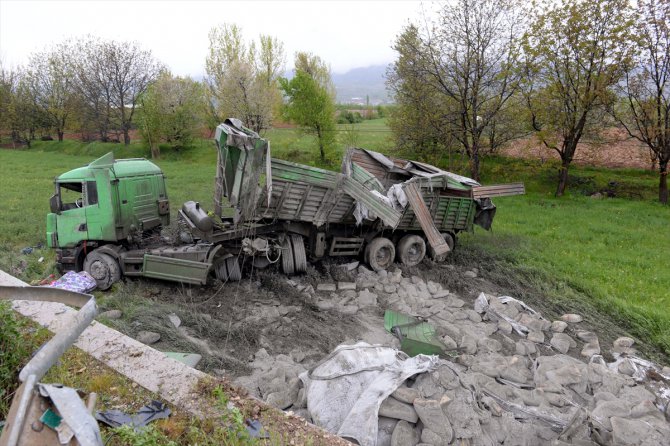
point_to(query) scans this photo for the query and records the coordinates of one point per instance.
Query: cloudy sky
(347, 34)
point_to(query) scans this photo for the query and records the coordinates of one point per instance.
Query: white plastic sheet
(345, 391)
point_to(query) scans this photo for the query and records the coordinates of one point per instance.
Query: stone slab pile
(508, 376)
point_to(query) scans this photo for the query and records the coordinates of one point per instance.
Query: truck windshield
(76, 195)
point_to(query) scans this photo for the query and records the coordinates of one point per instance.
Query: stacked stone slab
(509, 376)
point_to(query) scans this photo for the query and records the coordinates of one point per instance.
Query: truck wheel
(411, 250)
(228, 269)
(287, 262)
(299, 254)
(380, 253)
(451, 241)
(103, 268)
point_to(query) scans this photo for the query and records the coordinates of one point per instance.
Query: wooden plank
(498, 190)
(422, 213)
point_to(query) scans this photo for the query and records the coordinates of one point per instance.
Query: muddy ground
(266, 332)
(227, 323)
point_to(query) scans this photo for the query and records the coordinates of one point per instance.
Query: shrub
(13, 352)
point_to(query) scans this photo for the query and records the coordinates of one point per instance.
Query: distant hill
(354, 85)
(357, 83)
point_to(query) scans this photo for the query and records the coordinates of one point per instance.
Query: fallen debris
(153, 411)
(81, 282)
(504, 375)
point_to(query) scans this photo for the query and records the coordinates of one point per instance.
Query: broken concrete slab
(111, 314)
(392, 408)
(148, 337)
(561, 342)
(431, 413)
(404, 434)
(326, 287)
(367, 298)
(559, 326)
(572, 318)
(406, 394)
(341, 286)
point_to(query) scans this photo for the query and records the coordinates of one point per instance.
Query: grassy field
(610, 252)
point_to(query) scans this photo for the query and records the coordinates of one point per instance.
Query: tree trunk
(126, 136)
(474, 166)
(563, 178)
(321, 149)
(155, 151)
(60, 135)
(663, 183)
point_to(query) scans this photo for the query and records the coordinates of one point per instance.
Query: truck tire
(411, 250)
(228, 270)
(380, 253)
(451, 241)
(299, 254)
(287, 262)
(103, 268)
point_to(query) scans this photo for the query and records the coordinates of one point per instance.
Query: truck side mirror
(54, 203)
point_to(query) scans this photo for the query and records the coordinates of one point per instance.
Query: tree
(94, 89)
(131, 70)
(645, 113)
(310, 100)
(171, 111)
(467, 61)
(51, 80)
(18, 108)
(421, 120)
(576, 52)
(242, 82)
(111, 76)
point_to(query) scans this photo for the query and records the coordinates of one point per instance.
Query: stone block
(346, 286)
(393, 408)
(326, 287)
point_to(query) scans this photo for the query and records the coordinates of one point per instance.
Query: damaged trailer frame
(266, 211)
(377, 205)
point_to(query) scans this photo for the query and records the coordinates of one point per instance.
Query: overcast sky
(347, 34)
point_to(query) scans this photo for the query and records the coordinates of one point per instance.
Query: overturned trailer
(266, 211)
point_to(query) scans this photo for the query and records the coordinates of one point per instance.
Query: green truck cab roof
(122, 168)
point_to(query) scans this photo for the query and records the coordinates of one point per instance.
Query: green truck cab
(106, 202)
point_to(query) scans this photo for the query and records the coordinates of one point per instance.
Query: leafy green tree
(172, 111)
(576, 53)
(21, 115)
(243, 81)
(464, 62)
(645, 111)
(420, 121)
(52, 83)
(310, 100)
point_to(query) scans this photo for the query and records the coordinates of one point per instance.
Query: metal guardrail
(47, 356)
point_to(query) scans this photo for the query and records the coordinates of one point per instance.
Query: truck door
(71, 221)
(99, 208)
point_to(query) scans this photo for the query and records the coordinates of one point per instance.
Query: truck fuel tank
(198, 216)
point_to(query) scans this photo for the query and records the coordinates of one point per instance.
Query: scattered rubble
(148, 337)
(507, 375)
(111, 314)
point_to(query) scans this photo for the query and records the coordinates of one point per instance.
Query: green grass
(292, 145)
(610, 252)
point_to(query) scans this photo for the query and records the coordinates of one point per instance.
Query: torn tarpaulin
(152, 411)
